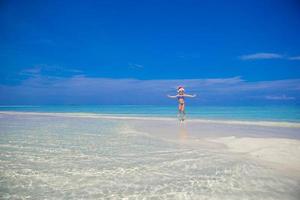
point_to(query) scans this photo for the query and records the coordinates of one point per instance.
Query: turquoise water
(253, 113)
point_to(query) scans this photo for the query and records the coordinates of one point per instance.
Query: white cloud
(294, 58)
(264, 56)
(80, 89)
(31, 71)
(260, 56)
(280, 97)
(135, 66)
(50, 70)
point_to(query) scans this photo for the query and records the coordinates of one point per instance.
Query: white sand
(282, 151)
(277, 143)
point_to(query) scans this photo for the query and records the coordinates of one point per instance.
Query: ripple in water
(65, 158)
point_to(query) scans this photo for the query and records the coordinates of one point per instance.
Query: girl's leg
(183, 110)
(179, 108)
(179, 111)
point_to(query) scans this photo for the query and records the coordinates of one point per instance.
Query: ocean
(252, 113)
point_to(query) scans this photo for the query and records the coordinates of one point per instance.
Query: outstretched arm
(188, 95)
(172, 96)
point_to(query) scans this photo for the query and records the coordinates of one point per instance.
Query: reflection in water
(183, 134)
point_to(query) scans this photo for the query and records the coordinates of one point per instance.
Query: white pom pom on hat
(180, 88)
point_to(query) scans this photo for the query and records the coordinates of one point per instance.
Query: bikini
(180, 97)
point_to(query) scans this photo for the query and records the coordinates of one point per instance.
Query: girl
(180, 96)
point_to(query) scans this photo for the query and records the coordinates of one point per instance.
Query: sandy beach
(99, 156)
(278, 146)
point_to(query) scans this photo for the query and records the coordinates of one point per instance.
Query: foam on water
(59, 157)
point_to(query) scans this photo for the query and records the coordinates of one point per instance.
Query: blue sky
(94, 52)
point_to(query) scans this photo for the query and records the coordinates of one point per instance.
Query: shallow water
(252, 113)
(71, 158)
